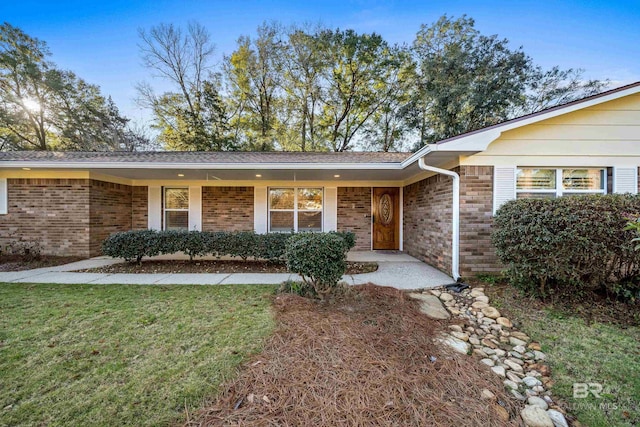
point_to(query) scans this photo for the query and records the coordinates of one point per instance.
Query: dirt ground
(215, 266)
(15, 262)
(368, 358)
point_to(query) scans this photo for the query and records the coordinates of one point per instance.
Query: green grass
(122, 354)
(583, 352)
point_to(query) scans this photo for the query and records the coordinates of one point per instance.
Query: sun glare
(31, 104)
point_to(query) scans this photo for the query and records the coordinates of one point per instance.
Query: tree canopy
(45, 108)
(296, 88)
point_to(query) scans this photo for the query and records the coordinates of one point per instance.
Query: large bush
(132, 245)
(569, 244)
(320, 258)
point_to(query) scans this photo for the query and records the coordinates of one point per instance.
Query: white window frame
(164, 205)
(559, 191)
(295, 209)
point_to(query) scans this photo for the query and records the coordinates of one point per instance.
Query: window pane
(310, 199)
(281, 198)
(176, 198)
(309, 221)
(536, 179)
(536, 195)
(281, 221)
(583, 179)
(176, 220)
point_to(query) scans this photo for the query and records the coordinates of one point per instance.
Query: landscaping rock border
(508, 353)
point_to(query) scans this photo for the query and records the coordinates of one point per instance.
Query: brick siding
(354, 214)
(477, 254)
(227, 208)
(109, 211)
(139, 208)
(427, 221)
(53, 212)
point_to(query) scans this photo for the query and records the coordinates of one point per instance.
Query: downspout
(455, 220)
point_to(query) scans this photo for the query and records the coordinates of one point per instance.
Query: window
(176, 208)
(547, 183)
(297, 209)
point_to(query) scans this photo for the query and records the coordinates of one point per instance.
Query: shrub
(271, 246)
(133, 245)
(27, 250)
(320, 258)
(573, 244)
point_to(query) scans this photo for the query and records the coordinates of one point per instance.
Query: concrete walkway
(397, 270)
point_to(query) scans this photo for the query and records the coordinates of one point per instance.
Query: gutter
(455, 216)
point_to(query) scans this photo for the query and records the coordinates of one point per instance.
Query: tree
(555, 87)
(45, 108)
(466, 80)
(356, 88)
(254, 74)
(193, 116)
(305, 65)
(387, 129)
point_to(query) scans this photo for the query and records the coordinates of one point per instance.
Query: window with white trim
(175, 208)
(295, 209)
(549, 183)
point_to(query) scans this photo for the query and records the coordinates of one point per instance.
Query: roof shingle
(209, 157)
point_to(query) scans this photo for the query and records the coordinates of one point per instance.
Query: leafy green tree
(254, 73)
(193, 115)
(355, 87)
(387, 129)
(466, 80)
(304, 67)
(45, 108)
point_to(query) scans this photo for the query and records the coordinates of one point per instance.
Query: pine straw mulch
(365, 359)
(213, 266)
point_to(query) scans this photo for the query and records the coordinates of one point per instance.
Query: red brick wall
(139, 208)
(427, 221)
(227, 208)
(354, 214)
(54, 212)
(477, 254)
(109, 211)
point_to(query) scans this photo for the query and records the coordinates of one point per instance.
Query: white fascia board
(213, 166)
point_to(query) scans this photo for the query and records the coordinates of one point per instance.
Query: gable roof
(478, 140)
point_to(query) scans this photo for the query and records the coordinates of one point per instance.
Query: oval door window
(386, 209)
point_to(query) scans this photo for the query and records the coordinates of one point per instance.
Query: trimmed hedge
(134, 245)
(320, 258)
(569, 244)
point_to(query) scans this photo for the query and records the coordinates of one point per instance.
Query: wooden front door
(386, 221)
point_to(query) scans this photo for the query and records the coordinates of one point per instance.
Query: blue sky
(98, 40)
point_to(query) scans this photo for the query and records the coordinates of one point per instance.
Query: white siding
(260, 214)
(625, 180)
(330, 214)
(504, 186)
(155, 208)
(195, 208)
(4, 201)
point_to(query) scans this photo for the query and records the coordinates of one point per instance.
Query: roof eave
(188, 166)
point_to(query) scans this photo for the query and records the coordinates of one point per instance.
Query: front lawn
(122, 354)
(584, 345)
